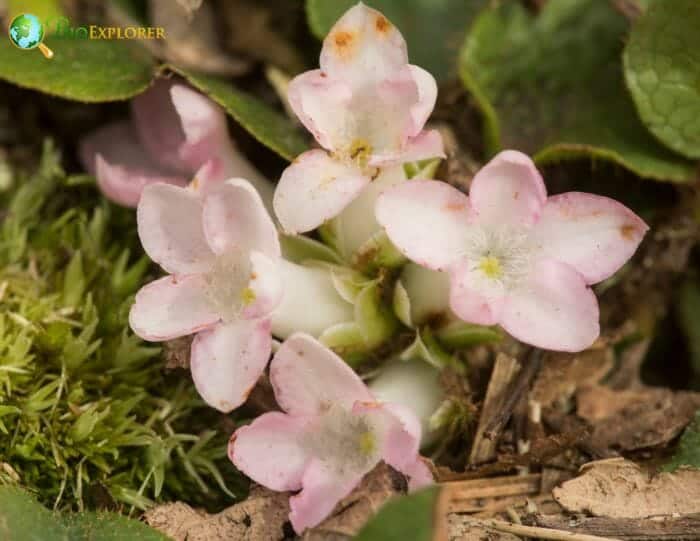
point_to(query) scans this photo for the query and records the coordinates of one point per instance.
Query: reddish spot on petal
(454, 206)
(343, 41)
(516, 195)
(627, 232)
(253, 275)
(372, 405)
(382, 24)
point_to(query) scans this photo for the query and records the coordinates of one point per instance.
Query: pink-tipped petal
(398, 430)
(508, 190)
(265, 286)
(203, 123)
(235, 217)
(313, 189)
(159, 126)
(169, 222)
(554, 310)
(321, 103)
(426, 145)
(419, 475)
(227, 361)
(594, 234)
(121, 166)
(171, 307)
(323, 489)
(474, 298)
(427, 96)
(271, 451)
(427, 220)
(308, 377)
(363, 46)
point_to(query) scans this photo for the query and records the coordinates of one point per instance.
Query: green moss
(88, 416)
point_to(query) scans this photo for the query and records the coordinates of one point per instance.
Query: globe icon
(26, 31)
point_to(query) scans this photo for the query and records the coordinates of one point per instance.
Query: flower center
(491, 267)
(499, 258)
(344, 441)
(227, 284)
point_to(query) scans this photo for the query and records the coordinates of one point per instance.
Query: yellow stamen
(367, 443)
(360, 151)
(248, 296)
(491, 267)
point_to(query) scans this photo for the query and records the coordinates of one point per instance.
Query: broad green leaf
(688, 451)
(433, 29)
(552, 85)
(88, 70)
(662, 69)
(46, 10)
(409, 517)
(23, 519)
(374, 317)
(268, 126)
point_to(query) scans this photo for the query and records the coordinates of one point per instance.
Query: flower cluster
(512, 256)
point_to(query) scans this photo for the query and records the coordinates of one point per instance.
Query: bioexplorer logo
(27, 32)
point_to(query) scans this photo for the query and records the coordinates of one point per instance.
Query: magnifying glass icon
(26, 32)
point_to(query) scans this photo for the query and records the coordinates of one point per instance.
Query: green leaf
(688, 451)
(426, 348)
(662, 69)
(459, 334)
(89, 70)
(376, 253)
(23, 519)
(409, 517)
(268, 126)
(552, 85)
(375, 319)
(432, 29)
(300, 248)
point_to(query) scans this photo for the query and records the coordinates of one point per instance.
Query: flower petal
(321, 103)
(508, 190)
(121, 166)
(323, 489)
(419, 475)
(304, 287)
(171, 307)
(234, 216)
(159, 126)
(203, 124)
(265, 285)
(427, 220)
(363, 46)
(427, 96)
(555, 310)
(594, 234)
(227, 361)
(473, 297)
(313, 189)
(357, 223)
(427, 144)
(170, 228)
(270, 451)
(307, 377)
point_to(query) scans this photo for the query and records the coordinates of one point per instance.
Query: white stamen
(227, 284)
(499, 258)
(345, 442)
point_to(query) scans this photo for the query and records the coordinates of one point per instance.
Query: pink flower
(515, 257)
(174, 132)
(222, 251)
(332, 433)
(366, 106)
